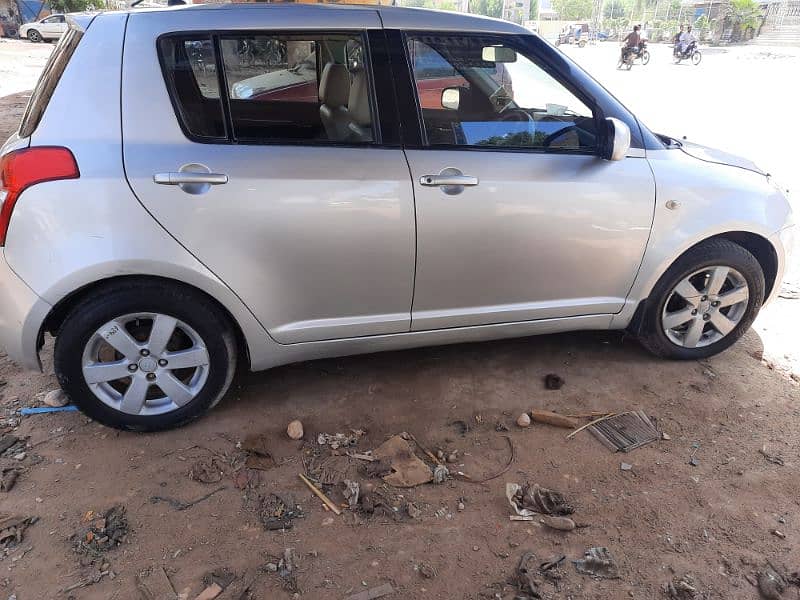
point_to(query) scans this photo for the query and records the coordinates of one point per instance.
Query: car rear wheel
(34, 36)
(145, 356)
(704, 302)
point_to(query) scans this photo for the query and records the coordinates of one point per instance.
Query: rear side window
(272, 88)
(189, 66)
(48, 81)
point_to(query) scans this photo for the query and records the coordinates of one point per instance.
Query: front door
(276, 179)
(517, 216)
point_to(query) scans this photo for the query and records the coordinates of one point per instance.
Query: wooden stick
(521, 518)
(587, 415)
(320, 495)
(551, 418)
(589, 424)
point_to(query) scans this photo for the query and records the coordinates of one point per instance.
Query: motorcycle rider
(631, 42)
(686, 39)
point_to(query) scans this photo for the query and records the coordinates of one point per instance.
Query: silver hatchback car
(261, 184)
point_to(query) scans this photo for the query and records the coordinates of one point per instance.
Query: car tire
(197, 335)
(666, 305)
(34, 36)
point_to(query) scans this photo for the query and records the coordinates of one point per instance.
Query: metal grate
(626, 431)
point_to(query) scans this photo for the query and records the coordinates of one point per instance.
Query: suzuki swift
(204, 187)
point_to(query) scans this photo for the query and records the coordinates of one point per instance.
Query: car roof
(393, 17)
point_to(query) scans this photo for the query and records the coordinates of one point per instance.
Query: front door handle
(186, 177)
(448, 180)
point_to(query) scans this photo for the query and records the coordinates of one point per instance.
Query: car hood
(719, 157)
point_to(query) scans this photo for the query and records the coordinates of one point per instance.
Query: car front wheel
(34, 36)
(704, 302)
(145, 356)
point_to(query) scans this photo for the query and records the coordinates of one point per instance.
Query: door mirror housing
(451, 98)
(617, 140)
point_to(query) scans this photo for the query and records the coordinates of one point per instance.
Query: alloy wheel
(705, 306)
(145, 364)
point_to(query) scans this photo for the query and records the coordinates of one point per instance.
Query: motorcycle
(691, 53)
(631, 54)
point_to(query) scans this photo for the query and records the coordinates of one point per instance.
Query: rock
(524, 420)
(272, 567)
(461, 507)
(475, 548)
(295, 430)
(626, 466)
(56, 398)
(452, 457)
(20, 456)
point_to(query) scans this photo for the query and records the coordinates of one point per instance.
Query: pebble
(272, 567)
(295, 430)
(20, 456)
(461, 507)
(56, 398)
(524, 420)
(328, 521)
(452, 457)
(39, 500)
(475, 548)
(626, 466)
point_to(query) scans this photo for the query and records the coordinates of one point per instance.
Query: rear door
(312, 227)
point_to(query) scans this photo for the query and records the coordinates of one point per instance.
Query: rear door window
(48, 81)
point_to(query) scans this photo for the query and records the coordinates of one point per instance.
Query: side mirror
(617, 139)
(451, 98)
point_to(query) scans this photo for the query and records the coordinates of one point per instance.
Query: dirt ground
(720, 521)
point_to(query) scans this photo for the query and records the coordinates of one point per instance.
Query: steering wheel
(516, 114)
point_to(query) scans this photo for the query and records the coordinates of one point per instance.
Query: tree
(615, 9)
(570, 10)
(744, 15)
(490, 8)
(534, 14)
(68, 6)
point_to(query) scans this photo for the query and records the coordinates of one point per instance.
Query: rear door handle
(448, 180)
(187, 177)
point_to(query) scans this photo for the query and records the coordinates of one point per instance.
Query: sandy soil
(663, 519)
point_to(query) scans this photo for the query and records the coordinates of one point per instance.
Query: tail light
(21, 169)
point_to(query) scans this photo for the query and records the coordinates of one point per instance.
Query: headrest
(358, 102)
(334, 87)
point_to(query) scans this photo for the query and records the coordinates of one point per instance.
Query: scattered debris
(12, 529)
(153, 584)
(597, 562)
(625, 466)
(6, 441)
(683, 588)
(771, 458)
(295, 430)
(693, 461)
(524, 420)
(553, 381)
(559, 523)
(222, 576)
(524, 578)
(502, 471)
(286, 571)
(413, 511)
(440, 474)
(552, 418)
(259, 455)
(56, 398)
(367, 456)
(771, 584)
(276, 512)
(93, 578)
(39, 410)
(626, 431)
(340, 440)
(101, 533)
(180, 504)
(589, 424)
(530, 499)
(8, 477)
(210, 592)
(328, 502)
(778, 533)
(427, 570)
(207, 470)
(408, 470)
(372, 593)
(352, 490)
(332, 470)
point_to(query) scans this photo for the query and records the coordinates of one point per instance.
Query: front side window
(494, 97)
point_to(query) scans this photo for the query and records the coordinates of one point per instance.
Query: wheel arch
(757, 245)
(58, 314)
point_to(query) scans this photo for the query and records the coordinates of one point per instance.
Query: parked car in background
(49, 28)
(385, 178)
